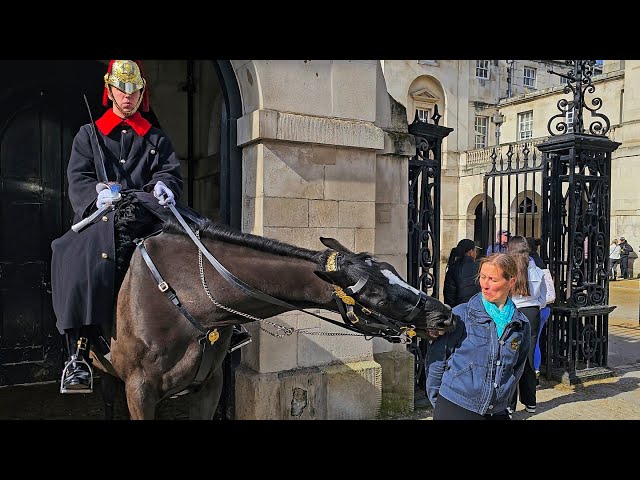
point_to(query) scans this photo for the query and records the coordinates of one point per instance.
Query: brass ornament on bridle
(331, 266)
(213, 336)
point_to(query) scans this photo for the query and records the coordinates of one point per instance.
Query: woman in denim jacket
(473, 371)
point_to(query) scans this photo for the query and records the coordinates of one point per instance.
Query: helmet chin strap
(125, 114)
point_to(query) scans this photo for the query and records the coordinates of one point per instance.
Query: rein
(209, 337)
(400, 332)
(384, 327)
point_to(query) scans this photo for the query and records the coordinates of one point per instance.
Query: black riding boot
(77, 376)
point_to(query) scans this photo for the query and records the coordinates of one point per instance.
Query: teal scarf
(500, 317)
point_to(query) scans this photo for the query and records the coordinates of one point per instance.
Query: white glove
(105, 196)
(160, 190)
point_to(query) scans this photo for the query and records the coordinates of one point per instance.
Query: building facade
(489, 114)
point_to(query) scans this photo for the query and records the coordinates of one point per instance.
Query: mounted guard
(121, 152)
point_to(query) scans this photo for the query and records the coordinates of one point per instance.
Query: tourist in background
(534, 243)
(529, 296)
(625, 250)
(461, 277)
(502, 238)
(614, 258)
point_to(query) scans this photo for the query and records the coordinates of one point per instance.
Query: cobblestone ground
(616, 398)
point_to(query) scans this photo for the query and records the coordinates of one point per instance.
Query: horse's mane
(224, 233)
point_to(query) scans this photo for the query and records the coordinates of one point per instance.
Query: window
(598, 67)
(423, 114)
(527, 206)
(482, 69)
(482, 128)
(569, 120)
(525, 125)
(529, 77)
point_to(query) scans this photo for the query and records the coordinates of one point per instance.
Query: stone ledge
(262, 125)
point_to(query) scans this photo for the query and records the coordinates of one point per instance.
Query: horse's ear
(330, 277)
(333, 244)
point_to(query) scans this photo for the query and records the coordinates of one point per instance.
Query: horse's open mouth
(436, 332)
(443, 327)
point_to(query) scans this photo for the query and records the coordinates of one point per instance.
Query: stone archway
(526, 214)
(474, 220)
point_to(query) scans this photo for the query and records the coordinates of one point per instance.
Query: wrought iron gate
(423, 252)
(578, 166)
(566, 204)
(513, 192)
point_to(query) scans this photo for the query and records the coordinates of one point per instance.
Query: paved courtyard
(615, 398)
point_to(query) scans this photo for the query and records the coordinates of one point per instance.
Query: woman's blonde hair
(518, 248)
(504, 262)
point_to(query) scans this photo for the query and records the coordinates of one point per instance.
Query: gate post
(575, 236)
(423, 250)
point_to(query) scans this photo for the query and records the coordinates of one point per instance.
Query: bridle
(356, 316)
(368, 318)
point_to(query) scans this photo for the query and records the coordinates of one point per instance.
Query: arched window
(527, 206)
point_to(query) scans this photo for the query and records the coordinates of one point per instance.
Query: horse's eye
(382, 303)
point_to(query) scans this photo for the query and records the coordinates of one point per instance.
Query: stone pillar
(398, 365)
(308, 174)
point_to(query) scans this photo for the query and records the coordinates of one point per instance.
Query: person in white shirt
(530, 297)
(614, 258)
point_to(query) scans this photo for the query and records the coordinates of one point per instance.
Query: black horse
(175, 311)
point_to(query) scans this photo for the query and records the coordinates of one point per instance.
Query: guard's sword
(113, 186)
(91, 218)
(105, 179)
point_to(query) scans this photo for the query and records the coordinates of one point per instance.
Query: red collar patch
(107, 122)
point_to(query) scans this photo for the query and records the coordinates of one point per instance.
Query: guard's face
(128, 101)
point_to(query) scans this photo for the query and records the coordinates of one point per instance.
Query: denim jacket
(471, 366)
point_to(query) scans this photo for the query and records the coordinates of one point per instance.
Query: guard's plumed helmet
(127, 76)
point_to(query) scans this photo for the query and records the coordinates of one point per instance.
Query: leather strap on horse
(249, 290)
(208, 338)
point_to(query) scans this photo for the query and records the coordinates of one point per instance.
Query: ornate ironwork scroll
(423, 252)
(579, 83)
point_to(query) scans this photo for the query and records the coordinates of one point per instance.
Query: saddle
(133, 220)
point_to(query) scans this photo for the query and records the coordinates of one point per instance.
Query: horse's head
(387, 299)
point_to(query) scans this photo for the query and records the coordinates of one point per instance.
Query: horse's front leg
(203, 404)
(142, 398)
